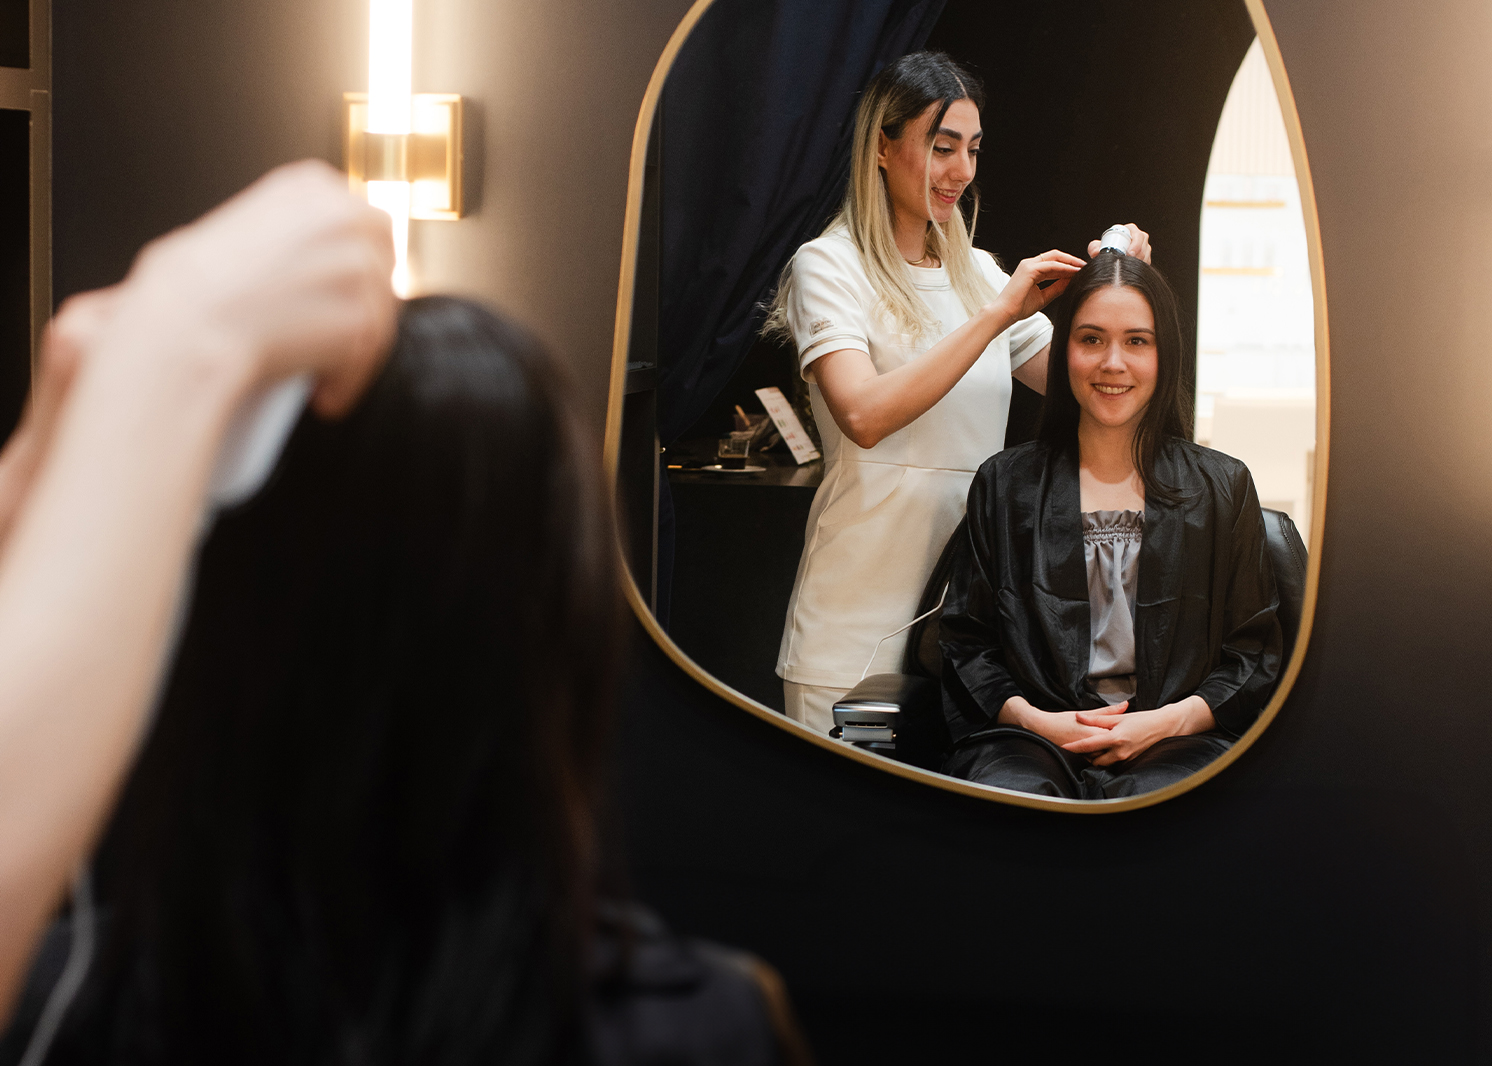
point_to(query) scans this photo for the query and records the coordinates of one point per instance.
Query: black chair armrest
(873, 712)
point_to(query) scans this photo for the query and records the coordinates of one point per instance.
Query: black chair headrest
(1287, 552)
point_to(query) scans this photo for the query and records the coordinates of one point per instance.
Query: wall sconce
(402, 150)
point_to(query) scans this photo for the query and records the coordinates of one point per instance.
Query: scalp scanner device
(1115, 239)
(251, 447)
(254, 440)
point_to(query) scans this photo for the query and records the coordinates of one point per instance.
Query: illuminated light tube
(391, 112)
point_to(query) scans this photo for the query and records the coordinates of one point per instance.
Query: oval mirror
(826, 546)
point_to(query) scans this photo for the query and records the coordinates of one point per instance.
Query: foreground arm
(104, 487)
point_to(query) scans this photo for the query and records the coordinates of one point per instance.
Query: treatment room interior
(1328, 896)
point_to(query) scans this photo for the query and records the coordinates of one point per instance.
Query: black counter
(738, 537)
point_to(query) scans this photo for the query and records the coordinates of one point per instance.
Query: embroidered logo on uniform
(819, 326)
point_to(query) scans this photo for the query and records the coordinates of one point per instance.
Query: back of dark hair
(361, 830)
(915, 81)
(1170, 411)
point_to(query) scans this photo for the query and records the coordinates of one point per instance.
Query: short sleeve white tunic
(882, 515)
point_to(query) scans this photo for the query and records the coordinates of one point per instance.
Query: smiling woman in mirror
(908, 337)
(1111, 618)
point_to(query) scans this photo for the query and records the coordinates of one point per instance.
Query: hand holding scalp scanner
(1115, 239)
(254, 440)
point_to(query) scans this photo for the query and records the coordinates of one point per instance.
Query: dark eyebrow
(944, 131)
(1100, 329)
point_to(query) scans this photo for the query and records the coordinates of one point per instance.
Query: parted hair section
(892, 103)
(1171, 410)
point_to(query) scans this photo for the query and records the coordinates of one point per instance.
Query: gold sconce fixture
(401, 149)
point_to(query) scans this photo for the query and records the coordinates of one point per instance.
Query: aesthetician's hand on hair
(1123, 734)
(1139, 243)
(1022, 296)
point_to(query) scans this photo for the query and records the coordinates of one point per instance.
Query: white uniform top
(883, 514)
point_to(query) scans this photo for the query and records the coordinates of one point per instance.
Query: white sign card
(786, 420)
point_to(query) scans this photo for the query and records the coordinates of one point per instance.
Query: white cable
(79, 958)
(903, 629)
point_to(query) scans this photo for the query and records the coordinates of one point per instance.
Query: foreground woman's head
(363, 823)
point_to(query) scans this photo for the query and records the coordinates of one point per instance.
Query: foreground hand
(292, 274)
(1124, 734)
(1022, 296)
(1139, 243)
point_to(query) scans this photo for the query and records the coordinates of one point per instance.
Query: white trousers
(812, 705)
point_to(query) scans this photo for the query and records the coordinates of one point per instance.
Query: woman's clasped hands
(1114, 734)
(1117, 734)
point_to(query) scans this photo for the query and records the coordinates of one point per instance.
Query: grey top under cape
(1111, 548)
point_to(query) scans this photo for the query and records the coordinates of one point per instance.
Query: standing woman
(908, 337)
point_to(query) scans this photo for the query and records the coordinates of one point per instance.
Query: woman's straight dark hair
(1171, 409)
(361, 830)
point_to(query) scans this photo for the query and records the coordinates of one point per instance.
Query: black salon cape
(1016, 619)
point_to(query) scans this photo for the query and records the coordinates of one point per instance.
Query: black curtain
(758, 115)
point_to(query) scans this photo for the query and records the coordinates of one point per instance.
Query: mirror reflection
(1010, 486)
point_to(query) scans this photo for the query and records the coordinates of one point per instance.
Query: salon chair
(901, 715)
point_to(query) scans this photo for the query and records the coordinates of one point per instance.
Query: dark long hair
(1170, 411)
(361, 830)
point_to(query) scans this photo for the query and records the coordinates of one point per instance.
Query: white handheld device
(1115, 239)
(254, 440)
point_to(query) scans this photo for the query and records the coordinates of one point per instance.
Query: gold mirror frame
(611, 455)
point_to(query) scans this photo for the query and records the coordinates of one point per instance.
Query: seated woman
(1110, 624)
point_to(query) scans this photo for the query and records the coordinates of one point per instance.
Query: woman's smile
(1112, 390)
(947, 196)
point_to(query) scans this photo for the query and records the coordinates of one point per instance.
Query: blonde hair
(899, 94)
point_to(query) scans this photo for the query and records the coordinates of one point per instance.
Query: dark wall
(1074, 143)
(1325, 899)
(165, 107)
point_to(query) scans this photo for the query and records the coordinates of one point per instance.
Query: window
(1256, 351)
